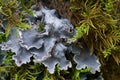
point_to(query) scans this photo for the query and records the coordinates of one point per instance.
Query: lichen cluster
(48, 46)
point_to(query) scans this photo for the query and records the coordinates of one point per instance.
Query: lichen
(49, 46)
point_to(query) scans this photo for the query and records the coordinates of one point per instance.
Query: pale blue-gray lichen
(49, 46)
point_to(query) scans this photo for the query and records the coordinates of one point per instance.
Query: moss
(2, 37)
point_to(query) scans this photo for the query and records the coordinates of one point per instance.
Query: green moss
(10, 11)
(2, 37)
(41, 27)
